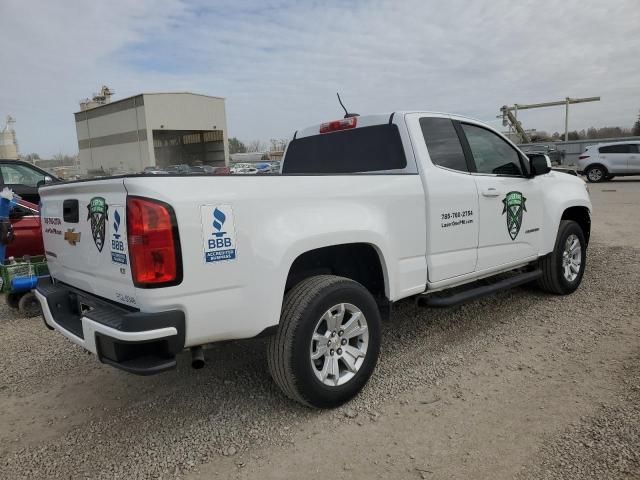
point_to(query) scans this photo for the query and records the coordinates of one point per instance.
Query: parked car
(367, 211)
(605, 161)
(244, 169)
(24, 179)
(210, 170)
(263, 167)
(556, 156)
(25, 221)
(154, 171)
(182, 168)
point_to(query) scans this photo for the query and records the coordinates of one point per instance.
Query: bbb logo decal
(118, 237)
(218, 233)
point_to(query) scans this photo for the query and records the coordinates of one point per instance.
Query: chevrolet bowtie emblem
(72, 237)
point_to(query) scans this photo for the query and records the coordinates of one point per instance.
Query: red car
(25, 220)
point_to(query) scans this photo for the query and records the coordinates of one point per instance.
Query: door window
(20, 175)
(491, 153)
(443, 143)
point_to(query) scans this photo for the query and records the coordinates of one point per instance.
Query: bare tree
(636, 127)
(256, 146)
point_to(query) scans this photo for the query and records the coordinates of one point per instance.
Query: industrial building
(150, 129)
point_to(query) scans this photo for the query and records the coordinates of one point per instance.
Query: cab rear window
(360, 150)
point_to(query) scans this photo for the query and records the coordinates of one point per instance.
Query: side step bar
(477, 292)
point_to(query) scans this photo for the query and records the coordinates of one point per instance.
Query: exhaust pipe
(197, 357)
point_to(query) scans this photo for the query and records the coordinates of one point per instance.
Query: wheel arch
(359, 261)
(582, 217)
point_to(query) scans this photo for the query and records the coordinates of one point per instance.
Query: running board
(477, 292)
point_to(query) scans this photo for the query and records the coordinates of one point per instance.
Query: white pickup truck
(366, 210)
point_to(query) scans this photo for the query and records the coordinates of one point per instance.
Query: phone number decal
(456, 214)
(455, 218)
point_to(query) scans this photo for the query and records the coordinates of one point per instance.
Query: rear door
(510, 203)
(84, 228)
(452, 197)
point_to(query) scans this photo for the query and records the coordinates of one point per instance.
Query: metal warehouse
(152, 129)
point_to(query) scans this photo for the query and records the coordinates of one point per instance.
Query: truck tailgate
(85, 237)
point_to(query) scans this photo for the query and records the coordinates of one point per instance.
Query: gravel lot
(519, 384)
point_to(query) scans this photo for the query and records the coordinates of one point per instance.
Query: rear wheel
(327, 343)
(13, 299)
(29, 306)
(596, 173)
(562, 269)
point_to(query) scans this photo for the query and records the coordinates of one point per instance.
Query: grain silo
(8, 141)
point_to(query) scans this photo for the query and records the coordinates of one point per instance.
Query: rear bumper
(137, 342)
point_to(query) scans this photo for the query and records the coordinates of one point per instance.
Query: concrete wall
(573, 148)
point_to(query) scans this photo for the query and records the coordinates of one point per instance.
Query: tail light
(582, 157)
(344, 124)
(154, 245)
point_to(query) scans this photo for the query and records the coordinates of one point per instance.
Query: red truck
(25, 220)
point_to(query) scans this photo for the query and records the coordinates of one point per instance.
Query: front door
(22, 180)
(616, 157)
(634, 159)
(510, 203)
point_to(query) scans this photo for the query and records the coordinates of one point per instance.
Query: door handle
(491, 192)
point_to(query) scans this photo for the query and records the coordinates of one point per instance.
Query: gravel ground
(605, 445)
(161, 427)
(455, 391)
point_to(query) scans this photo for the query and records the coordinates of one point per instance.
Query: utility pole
(509, 118)
(566, 120)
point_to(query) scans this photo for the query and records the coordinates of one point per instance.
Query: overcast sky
(279, 63)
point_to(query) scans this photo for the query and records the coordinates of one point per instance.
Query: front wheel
(562, 269)
(327, 343)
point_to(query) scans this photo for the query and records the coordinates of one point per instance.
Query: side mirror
(540, 164)
(44, 181)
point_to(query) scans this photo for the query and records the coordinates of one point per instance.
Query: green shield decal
(98, 216)
(514, 207)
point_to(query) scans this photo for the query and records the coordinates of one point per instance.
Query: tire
(13, 299)
(29, 306)
(554, 275)
(306, 310)
(596, 173)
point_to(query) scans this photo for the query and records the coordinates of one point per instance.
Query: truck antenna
(346, 113)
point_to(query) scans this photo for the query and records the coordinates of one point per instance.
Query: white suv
(604, 161)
